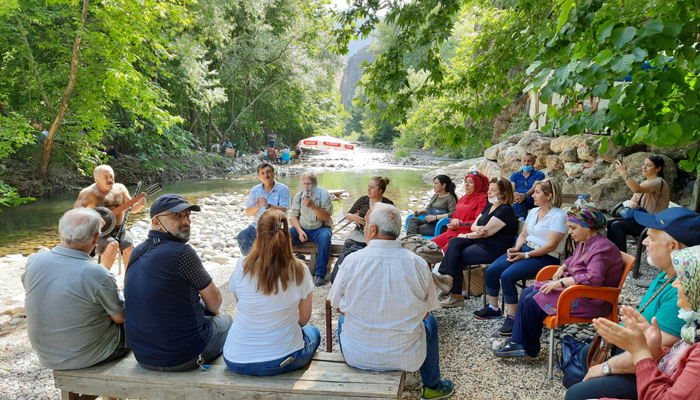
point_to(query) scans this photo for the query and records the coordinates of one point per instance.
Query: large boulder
(607, 192)
(597, 170)
(557, 175)
(578, 185)
(515, 138)
(573, 169)
(536, 143)
(541, 162)
(491, 153)
(675, 153)
(587, 150)
(634, 164)
(488, 168)
(565, 142)
(456, 172)
(554, 162)
(569, 155)
(611, 154)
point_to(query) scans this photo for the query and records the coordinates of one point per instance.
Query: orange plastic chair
(571, 293)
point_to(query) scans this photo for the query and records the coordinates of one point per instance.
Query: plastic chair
(608, 294)
(441, 223)
(285, 157)
(640, 247)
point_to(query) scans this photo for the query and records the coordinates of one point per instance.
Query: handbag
(627, 213)
(568, 356)
(436, 211)
(601, 349)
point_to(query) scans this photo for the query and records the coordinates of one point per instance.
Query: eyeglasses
(178, 216)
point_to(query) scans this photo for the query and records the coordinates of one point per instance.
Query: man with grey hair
(385, 296)
(310, 215)
(107, 193)
(75, 314)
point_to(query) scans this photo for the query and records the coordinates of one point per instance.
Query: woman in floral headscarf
(664, 373)
(595, 262)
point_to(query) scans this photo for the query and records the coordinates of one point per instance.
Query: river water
(25, 228)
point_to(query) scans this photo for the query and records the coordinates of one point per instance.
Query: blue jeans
(246, 238)
(521, 209)
(312, 338)
(220, 324)
(504, 273)
(430, 370)
(529, 320)
(321, 237)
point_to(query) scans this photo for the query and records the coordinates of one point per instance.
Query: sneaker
(320, 280)
(507, 328)
(488, 313)
(443, 282)
(444, 390)
(510, 349)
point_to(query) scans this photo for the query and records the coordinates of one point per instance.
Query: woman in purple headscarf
(595, 262)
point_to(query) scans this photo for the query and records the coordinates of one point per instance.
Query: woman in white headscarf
(664, 373)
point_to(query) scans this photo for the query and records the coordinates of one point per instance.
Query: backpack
(424, 248)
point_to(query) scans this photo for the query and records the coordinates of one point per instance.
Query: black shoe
(507, 328)
(300, 256)
(510, 349)
(488, 313)
(320, 280)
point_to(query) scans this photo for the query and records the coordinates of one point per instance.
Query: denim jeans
(504, 273)
(220, 325)
(521, 209)
(430, 370)
(312, 338)
(246, 238)
(616, 386)
(321, 237)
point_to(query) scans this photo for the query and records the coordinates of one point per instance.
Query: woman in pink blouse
(595, 262)
(664, 373)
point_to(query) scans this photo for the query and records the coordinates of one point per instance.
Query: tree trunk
(35, 68)
(193, 127)
(63, 106)
(211, 122)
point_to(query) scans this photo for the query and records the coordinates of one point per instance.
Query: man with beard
(106, 193)
(172, 305)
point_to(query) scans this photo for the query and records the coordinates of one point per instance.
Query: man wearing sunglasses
(172, 305)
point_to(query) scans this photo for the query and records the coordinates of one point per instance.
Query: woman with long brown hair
(273, 291)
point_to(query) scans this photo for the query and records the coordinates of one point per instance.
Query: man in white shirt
(386, 323)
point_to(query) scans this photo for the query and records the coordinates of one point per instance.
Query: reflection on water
(24, 228)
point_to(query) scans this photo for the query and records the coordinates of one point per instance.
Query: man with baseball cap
(172, 305)
(669, 230)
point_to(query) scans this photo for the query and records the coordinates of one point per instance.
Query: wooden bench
(326, 376)
(308, 247)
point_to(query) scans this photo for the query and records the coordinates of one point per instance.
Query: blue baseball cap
(171, 202)
(679, 222)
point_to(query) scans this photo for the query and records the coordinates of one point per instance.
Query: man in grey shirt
(310, 215)
(75, 315)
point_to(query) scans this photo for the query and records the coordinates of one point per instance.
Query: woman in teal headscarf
(664, 373)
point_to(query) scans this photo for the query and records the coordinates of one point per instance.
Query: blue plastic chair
(285, 157)
(441, 222)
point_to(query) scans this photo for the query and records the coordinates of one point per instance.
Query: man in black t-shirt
(172, 304)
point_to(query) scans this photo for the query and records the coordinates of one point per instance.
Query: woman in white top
(273, 291)
(540, 243)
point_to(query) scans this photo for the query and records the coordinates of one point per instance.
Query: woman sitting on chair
(595, 262)
(467, 209)
(540, 243)
(664, 373)
(273, 291)
(491, 235)
(442, 205)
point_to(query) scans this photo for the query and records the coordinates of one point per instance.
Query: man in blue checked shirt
(269, 195)
(523, 182)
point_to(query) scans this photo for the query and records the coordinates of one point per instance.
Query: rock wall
(577, 165)
(352, 74)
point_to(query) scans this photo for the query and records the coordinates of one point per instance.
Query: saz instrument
(109, 216)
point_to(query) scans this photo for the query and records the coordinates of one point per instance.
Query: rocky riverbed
(465, 343)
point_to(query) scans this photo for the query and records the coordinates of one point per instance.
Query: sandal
(452, 302)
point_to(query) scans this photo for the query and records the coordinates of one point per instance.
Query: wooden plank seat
(337, 246)
(326, 376)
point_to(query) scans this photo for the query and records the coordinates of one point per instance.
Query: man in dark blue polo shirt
(167, 325)
(523, 182)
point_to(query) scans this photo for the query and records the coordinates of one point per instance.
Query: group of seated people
(170, 314)
(281, 155)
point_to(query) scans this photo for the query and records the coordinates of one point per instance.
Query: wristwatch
(561, 282)
(268, 206)
(606, 369)
(527, 255)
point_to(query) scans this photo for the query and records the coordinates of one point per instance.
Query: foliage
(9, 196)
(520, 123)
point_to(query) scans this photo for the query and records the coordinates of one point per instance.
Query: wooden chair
(441, 223)
(608, 294)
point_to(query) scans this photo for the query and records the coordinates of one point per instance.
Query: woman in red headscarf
(468, 208)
